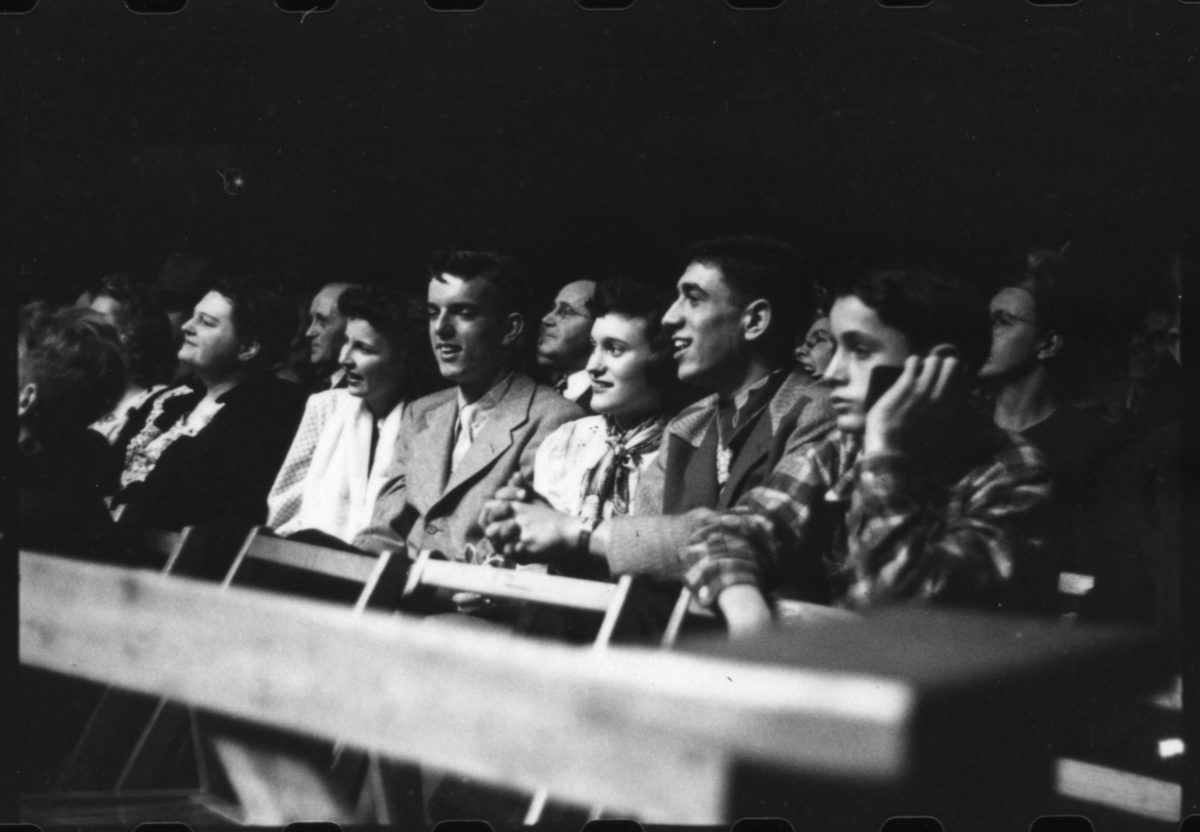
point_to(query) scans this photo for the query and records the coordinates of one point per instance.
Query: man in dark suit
(740, 303)
(457, 446)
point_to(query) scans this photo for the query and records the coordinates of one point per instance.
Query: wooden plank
(350, 566)
(1129, 792)
(634, 729)
(534, 587)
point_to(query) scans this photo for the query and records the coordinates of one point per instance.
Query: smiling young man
(915, 497)
(455, 448)
(738, 305)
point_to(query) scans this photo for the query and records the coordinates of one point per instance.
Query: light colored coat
(424, 506)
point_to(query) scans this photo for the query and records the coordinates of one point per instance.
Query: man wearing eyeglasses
(563, 343)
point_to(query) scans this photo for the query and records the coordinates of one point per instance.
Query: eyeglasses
(819, 337)
(563, 311)
(1005, 319)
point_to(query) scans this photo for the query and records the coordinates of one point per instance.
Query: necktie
(463, 436)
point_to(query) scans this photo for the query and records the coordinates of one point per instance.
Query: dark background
(372, 134)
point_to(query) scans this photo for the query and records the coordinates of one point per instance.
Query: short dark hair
(1049, 277)
(930, 308)
(758, 266)
(630, 299)
(76, 362)
(259, 315)
(504, 273)
(145, 329)
(401, 319)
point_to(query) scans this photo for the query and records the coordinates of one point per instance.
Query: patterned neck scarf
(606, 486)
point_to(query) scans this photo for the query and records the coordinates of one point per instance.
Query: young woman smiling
(588, 470)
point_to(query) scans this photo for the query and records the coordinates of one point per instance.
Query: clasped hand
(914, 410)
(524, 529)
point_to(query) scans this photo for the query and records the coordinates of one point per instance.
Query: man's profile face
(563, 342)
(707, 329)
(326, 326)
(471, 338)
(1015, 336)
(863, 343)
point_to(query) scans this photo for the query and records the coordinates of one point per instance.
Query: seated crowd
(761, 438)
(746, 437)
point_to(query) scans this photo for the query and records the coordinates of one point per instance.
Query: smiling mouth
(680, 344)
(448, 351)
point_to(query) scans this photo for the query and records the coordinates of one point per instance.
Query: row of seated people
(821, 480)
(499, 469)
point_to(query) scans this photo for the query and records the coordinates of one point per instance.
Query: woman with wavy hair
(334, 469)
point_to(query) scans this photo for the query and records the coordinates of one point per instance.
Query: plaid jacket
(683, 476)
(965, 524)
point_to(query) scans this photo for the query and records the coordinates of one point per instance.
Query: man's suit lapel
(495, 438)
(430, 454)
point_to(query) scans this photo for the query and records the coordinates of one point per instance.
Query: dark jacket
(61, 485)
(225, 471)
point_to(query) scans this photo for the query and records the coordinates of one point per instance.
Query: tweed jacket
(683, 478)
(421, 504)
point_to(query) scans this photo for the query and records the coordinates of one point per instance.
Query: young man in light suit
(457, 446)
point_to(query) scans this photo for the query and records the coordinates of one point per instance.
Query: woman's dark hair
(930, 308)
(260, 316)
(75, 361)
(400, 319)
(630, 299)
(144, 328)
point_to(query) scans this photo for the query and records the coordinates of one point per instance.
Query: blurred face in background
(563, 342)
(1016, 340)
(109, 309)
(815, 351)
(326, 326)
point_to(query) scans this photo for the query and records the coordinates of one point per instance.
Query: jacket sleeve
(985, 546)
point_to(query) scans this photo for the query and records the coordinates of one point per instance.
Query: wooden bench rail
(639, 730)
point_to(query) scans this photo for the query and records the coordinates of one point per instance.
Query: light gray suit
(422, 504)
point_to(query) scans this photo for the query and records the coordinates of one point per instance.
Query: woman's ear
(249, 351)
(756, 318)
(26, 399)
(514, 325)
(1052, 342)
